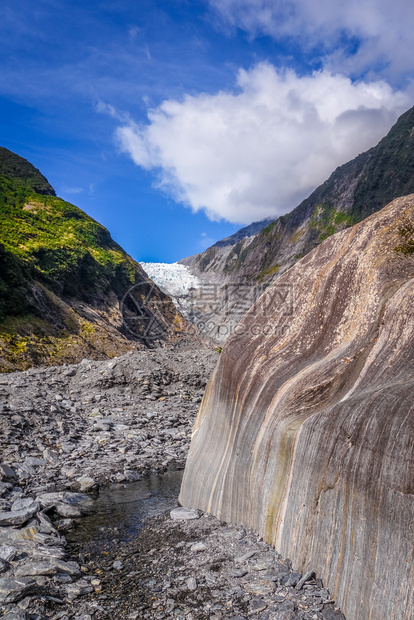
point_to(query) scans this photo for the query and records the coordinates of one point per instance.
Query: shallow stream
(121, 509)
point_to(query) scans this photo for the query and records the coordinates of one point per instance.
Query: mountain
(19, 177)
(306, 428)
(67, 290)
(353, 192)
(220, 257)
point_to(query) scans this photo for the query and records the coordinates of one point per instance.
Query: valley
(273, 371)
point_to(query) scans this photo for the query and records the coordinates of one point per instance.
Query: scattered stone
(245, 557)
(15, 614)
(32, 461)
(33, 569)
(257, 605)
(291, 580)
(7, 553)
(79, 588)
(7, 474)
(306, 577)
(185, 514)
(12, 590)
(25, 503)
(5, 487)
(332, 614)
(85, 484)
(191, 584)
(238, 573)
(180, 565)
(51, 456)
(18, 517)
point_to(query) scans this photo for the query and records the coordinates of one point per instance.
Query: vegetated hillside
(353, 192)
(306, 429)
(64, 282)
(18, 177)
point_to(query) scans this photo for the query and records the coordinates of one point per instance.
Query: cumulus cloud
(259, 150)
(378, 32)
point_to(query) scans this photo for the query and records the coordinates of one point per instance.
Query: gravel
(66, 431)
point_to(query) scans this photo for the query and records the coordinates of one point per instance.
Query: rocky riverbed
(65, 432)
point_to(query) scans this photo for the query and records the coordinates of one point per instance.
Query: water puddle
(120, 509)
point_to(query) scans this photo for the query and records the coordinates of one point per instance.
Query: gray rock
(306, 577)
(257, 605)
(36, 568)
(7, 474)
(291, 580)
(46, 524)
(13, 590)
(238, 573)
(33, 461)
(47, 500)
(68, 511)
(69, 568)
(332, 614)
(185, 514)
(80, 588)
(191, 584)
(5, 487)
(85, 484)
(246, 556)
(15, 614)
(7, 553)
(18, 517)
(117, 565)
(287, 606)
(25, 503)
(51, 456)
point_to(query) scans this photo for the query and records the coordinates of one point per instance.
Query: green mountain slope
(64, 282)
(353, 192)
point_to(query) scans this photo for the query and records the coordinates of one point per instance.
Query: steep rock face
(223, 257)
(353, 192)
(306, 430)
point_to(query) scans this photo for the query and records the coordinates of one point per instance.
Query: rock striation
(306, 429)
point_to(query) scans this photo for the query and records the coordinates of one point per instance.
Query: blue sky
(174, 123)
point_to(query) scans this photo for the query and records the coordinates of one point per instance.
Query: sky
(176, 122)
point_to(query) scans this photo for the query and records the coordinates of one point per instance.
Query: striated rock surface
(306, 430)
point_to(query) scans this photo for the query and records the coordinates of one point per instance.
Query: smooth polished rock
(306, 428)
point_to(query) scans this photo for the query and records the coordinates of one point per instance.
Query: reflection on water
(120, 508)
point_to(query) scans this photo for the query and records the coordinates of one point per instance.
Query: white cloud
(383, 29)
(260, 150)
